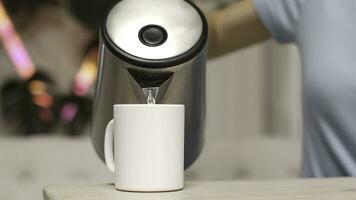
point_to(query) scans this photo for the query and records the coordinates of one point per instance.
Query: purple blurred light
(69, 111)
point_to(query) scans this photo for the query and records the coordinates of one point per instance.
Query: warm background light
(86, 75)
(14, 46)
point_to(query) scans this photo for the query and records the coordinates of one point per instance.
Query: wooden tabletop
(307, 189)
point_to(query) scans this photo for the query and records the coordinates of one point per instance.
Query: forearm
(234, 27)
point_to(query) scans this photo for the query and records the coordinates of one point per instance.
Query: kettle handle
(109, 146)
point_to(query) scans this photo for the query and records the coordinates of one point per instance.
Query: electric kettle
(153, 50)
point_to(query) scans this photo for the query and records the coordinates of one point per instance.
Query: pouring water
(150, 94)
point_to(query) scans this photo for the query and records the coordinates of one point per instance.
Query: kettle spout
(149, 86)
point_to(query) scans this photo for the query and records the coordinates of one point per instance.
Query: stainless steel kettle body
(153, 48)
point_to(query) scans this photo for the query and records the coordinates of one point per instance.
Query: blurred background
(253, 128)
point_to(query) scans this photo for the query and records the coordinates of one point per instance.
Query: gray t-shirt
(325, 33)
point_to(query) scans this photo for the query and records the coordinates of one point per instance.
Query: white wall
(244, 138)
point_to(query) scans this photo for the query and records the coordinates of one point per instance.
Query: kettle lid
(155, 32)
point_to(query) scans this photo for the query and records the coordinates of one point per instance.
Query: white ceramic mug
(144, 147)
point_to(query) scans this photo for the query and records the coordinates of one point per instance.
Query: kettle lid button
(153, 35)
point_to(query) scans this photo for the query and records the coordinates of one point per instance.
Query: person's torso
(326, 37)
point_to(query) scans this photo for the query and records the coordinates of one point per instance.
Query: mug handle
(109, 146)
